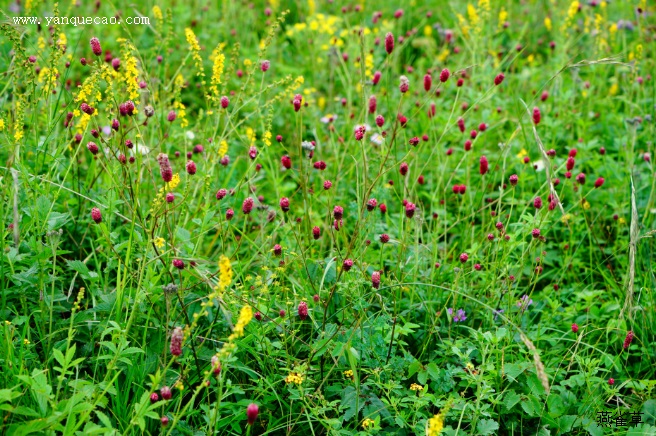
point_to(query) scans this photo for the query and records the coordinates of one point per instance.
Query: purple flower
(524, 302)
(497, 313)
(460, 315)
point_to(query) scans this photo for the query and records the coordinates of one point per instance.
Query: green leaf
(566, 422)
(487, 426)
(6, 395)
(104, 419)
(510, 399)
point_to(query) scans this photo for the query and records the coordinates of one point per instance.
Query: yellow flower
(26, 341)
(250, 134)
(416, 387)
(434, 425)
(194, 47)
(368, 423)
(614, 88)
(217, 69)
(294, 378)
(266, 138)
(638, 52)
(175, 181)
(225, 273)
(522, 154)
(547, 23)
(586, 205)
(223, 148)
(159, 242)
(157, 13)
(2, 124)
(348, 373)
(622, 220)
(503, 16)
(565, 218)
(62, 39)
(571, 13)
(245, 316)
(473, 17)
(428, 30)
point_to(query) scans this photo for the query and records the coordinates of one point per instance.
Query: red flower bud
(251, 413)
(389, 43)
(95, 46)
(96, 215)
(444, 75)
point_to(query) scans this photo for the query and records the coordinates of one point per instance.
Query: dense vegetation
(328, 218)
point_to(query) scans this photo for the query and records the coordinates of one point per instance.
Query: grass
(238, 255)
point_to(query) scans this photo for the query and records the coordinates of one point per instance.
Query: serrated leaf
(104, 419)
(510, 399)
(487, 426)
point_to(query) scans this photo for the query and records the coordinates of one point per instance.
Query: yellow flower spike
(194, 48)
(434, 425)
(225, 273)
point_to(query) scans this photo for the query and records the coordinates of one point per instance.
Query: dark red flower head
(483, 167)
(96, 215)
(178, 263)
(410, 209)
(428, 82)
(499, 78)
(581, 178)
(302, 310)
(444, 75)
(375, 279)
(376, 78)
(251, 413)
(389, 43)
(95, 46)
(537, 203)
(284, 204)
